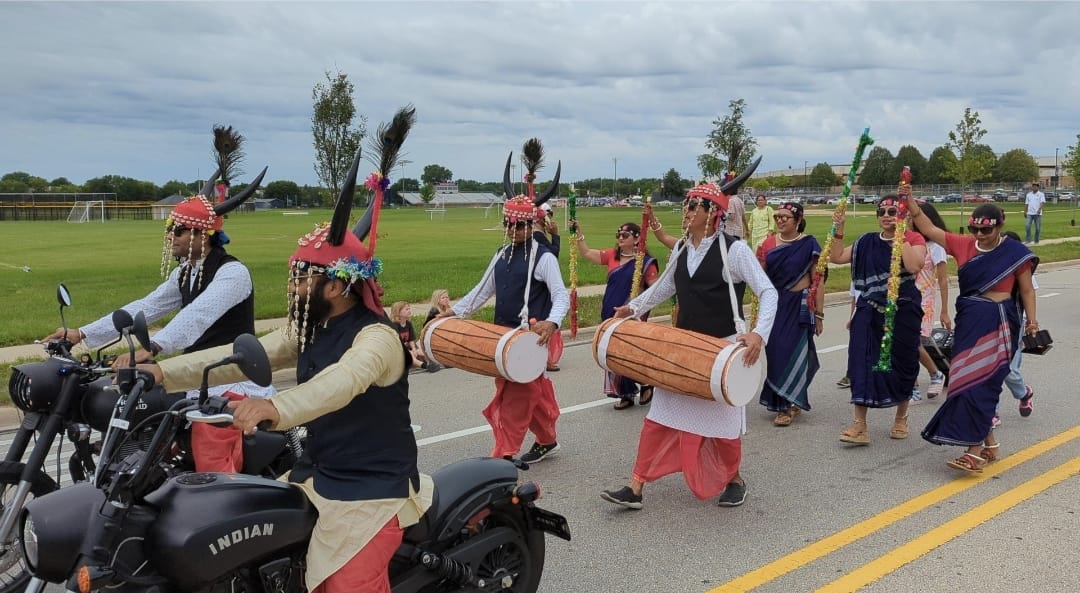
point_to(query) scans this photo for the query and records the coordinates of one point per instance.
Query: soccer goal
(87, 210)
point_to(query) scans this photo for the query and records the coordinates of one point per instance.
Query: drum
(484, 348)
(679, 360)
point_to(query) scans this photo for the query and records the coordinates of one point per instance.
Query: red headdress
(527, 207)
(721, 196)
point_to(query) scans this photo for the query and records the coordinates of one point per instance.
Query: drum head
(519, 356)
(737, 383)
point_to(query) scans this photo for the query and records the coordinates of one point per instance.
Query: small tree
(822, 176)
(286, 191)
(335, 138)
(939, 166)
(672, 185)
(971, 164)
(1016, 166)
(1072, 162)
(731, 146)
(908, 156)
(877, 168)
(436, 174)
(427, 193)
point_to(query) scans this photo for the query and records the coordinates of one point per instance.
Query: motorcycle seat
(455, 482)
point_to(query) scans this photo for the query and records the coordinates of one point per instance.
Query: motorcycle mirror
(121, 320)
(251, 357)
(63, 296)
(141, 331)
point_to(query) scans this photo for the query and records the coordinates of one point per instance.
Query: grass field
(107, 265)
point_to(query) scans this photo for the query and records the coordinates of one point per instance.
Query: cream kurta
(375, 358)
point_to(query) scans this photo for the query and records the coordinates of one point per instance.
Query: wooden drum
(484, 348)
(679, 360)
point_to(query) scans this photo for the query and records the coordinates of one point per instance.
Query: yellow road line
(924, 544)
(829, 544)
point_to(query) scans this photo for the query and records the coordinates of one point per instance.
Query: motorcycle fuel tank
(211, 524)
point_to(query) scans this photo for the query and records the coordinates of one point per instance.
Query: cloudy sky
(133, 88)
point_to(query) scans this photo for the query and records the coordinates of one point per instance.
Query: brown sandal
(990, 452)
(899, 429)
(782, 419)
(973, 464)
(646, 395)
(622, 404)
(856, 434)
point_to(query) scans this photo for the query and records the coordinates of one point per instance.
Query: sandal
(973, 464)
(856, 434)
(783, 419)
(899, 429)
(990, 452)
(646, 395)
(622, 404)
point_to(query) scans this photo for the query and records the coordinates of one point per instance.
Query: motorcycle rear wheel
(14, 574)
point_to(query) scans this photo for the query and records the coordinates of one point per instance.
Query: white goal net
(87, 211)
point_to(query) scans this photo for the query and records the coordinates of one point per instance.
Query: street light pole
(615, 179)
(804, 163)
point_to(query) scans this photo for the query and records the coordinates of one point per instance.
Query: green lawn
(107, 265)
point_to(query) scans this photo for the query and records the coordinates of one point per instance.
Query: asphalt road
(820, 516)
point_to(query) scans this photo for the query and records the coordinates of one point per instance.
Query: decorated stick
(823, 260)
(639, 260)
(884, 363)
(571, 210)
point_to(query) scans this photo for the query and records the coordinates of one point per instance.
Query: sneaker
(916, 395)
(1025, 402)
(844, 383)
(937, 383)
(538, 452)
(733, 495)
(623, 497)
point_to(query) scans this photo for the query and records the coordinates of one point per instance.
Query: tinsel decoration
(823, 261)
(571, 211)
(639, 259)
(884, 363)
(754, 307)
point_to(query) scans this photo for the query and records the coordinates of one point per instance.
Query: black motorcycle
(225, 533)
(82, 398)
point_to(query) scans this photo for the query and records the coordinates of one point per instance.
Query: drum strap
(740, 323)
(524, 315)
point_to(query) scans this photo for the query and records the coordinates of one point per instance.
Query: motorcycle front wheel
(13, 571)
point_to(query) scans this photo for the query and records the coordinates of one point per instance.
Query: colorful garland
(639, 260)
(571, 210)
(884, 363)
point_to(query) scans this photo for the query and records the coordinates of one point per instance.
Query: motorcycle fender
(60, 522)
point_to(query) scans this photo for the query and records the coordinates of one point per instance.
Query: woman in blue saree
(620, 263)
(871, 257)
(994, 274)
(789, 257)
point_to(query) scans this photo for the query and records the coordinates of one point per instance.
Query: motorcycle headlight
(34, 386)
(29, 542)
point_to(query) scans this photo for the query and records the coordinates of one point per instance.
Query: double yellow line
(902, 555)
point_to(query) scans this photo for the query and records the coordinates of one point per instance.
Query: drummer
(523, 266)
(701, 439)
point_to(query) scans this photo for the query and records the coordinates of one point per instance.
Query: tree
(60, 182)
(174, 187)
(427, 193)
(1016, 166)
(971, 165)
(1072, 162)
(672, 185)
(436, 174)
(780, 182)
(822, 176)
(731, 146)
(20, 182)
(408, 184)
(286, 191)
(908, 156)
(336, 140)
(877, 168)
(939, 166)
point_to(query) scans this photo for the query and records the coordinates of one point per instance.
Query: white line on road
(1049, 294)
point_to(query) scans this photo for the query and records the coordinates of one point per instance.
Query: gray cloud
(134, 88)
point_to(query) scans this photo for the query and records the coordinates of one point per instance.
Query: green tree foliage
(939, 166)
(971, 165)
(174, 187)
(877, 168)
(436, 174)
(673, 186)
(60, 182)
(730, 145)
(1072, 162)
(908, 156)
(125, 188)
(822, 176)
(408, 184)
(427, 193)
(1017, 166)
(21, 182)
(780, 182)
(336, 139)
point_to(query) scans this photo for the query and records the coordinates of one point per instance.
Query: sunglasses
(781, 218)
(980, 230)
(518, 225)
(623, 234)
(887, 211)
(691, 205)
(178, 231)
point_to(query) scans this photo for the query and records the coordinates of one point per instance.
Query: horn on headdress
(732, 187)
(231, 204)
(339, 223)
(208, 187)
(508, 186)
(554, 189)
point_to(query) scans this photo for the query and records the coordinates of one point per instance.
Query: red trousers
(707, 463)
(555, 348)
(518, 408)
(217, 449)
(369, 570)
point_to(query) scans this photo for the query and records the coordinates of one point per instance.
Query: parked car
(1066, 196)
(948, 198)
(833, 201)
(977, 199)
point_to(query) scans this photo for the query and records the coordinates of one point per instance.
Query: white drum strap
(524, 315)
(740, 323)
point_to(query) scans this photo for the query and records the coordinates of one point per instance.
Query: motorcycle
(77, 396)
(216, 533)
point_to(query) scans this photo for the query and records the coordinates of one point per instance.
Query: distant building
(453, 199)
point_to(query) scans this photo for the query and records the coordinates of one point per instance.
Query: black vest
(704, 301)
(238, 320)
(510, 277)
(366, 450)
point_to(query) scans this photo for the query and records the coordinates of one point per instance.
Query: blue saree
(986, 337)
(617, 294)
(792, 357)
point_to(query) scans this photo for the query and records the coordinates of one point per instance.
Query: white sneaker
(937, 382)
(916, 395)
